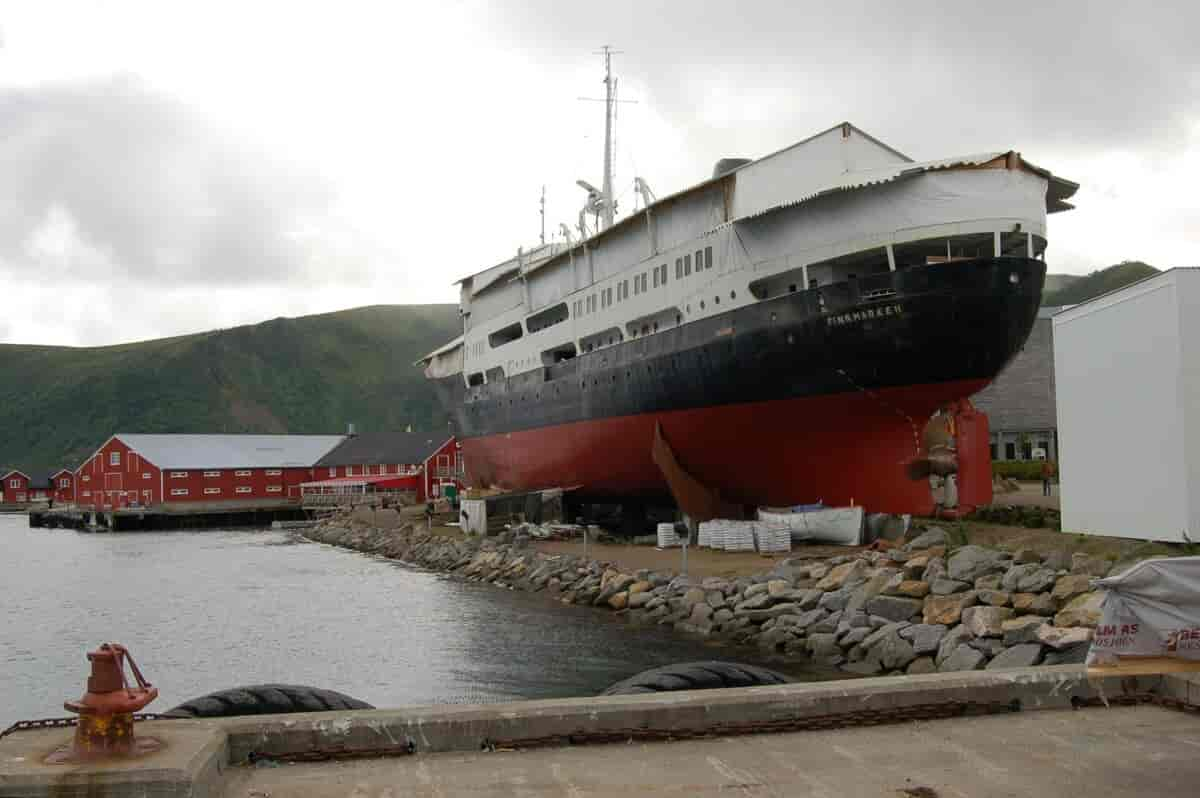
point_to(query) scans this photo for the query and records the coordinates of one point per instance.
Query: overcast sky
(173, 167)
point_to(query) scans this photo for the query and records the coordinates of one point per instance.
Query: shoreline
(920, 608)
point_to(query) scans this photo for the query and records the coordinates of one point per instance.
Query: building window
(687, 265)
(64, 483)
(274, 488)
(243, 489)
(273, 472)
(707, 258)
(1010, 451)
(460, 465)
(86, 478)
(678, 268)
(14, 483)
(243, 473)
(114, 458)
(1045, 447)
(145, 475)
(211, 491)
(443, 465)
(211, 474)
(333, 472)
(349, 471)
(179, 491)
(87, 494)
(994, 451)
(178, 475)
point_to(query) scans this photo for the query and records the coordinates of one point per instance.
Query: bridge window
(687, 265)
(708, 261)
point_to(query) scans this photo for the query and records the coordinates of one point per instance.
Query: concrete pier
(853, 738)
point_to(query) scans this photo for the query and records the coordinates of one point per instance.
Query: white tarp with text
(1150, 610)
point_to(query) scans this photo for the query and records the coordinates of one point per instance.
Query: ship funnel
(728, 165)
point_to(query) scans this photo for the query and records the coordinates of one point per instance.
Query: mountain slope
(1096, 283)
(309, 374)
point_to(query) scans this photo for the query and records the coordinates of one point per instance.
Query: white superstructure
(836, 206)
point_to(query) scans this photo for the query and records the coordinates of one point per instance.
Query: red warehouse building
(62, 486)
(18, 487)
(15, 488)
(219, 471)
(418, 461)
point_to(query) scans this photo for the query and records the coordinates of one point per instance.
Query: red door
(112, 489)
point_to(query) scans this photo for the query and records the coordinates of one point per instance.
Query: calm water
(204, 611)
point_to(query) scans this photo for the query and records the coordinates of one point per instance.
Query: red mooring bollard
(105, 727)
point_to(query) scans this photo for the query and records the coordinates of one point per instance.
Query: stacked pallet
(772, 538)
(667, 537)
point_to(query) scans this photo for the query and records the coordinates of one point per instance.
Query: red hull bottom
(840, 448)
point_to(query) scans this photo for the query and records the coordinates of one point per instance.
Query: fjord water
(208, 610)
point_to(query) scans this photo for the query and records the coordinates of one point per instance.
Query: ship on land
(786, 327)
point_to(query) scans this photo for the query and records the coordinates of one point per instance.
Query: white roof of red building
(231, 451)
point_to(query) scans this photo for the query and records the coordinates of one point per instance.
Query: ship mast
(606, 186)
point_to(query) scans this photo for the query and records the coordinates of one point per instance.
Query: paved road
(1030, 495)
(1122, 751)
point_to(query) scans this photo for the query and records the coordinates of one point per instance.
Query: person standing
(1047, 475)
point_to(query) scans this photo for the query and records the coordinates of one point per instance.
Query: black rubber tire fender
(265, 699)
(712, 675)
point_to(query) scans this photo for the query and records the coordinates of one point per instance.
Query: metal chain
(916, 712)
(66, 723)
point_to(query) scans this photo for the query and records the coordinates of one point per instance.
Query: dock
(1033, 731)
(193, 515)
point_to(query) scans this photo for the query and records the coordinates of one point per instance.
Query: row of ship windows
(641, 282)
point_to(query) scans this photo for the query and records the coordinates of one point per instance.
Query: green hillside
(1096, 283)
(309, 374)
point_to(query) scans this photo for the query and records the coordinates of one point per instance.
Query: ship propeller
(937, 456)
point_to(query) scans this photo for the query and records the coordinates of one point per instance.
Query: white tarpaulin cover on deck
(1150, 610)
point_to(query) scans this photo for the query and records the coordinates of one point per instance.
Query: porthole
(716, 300)
(689, 308)
(702, 304)
(733, 294)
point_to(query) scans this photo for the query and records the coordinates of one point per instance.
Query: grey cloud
(925, 76)
(150, 186)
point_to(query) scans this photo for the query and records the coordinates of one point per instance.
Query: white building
(1127, 368)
